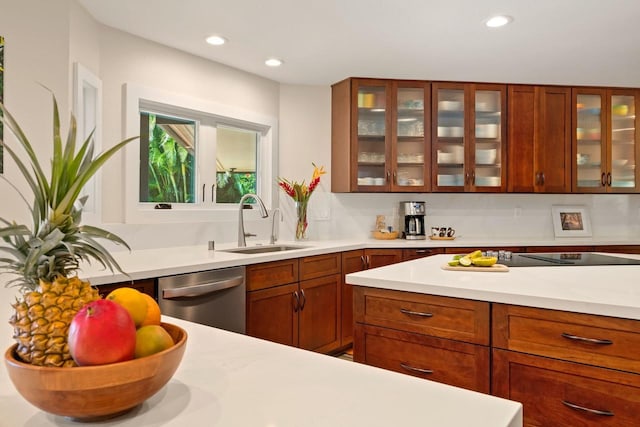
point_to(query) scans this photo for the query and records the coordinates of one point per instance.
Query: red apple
(102, 332)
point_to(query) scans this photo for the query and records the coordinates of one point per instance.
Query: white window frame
(87, 109)
(208, 114)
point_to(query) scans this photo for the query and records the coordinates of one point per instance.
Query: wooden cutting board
(494, 268)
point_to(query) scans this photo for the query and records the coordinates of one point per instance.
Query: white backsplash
(345, 216)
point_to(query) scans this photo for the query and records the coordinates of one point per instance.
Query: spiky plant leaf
(56, 243)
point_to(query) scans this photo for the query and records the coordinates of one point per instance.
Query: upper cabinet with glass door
(605, 147)
(379, 136)
(372, 135)
(468, 137)
(410, 156)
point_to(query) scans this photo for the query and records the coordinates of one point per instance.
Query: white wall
(43, 39)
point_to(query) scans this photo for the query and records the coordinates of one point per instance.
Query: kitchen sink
(263, 249)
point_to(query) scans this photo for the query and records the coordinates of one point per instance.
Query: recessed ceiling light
(273, 62)
(498, 21)
(216, 40)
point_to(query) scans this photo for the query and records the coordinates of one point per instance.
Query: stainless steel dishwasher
(214, 298)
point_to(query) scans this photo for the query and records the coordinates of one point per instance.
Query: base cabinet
(146, 286)
(560, 393)
(447, 361)
(296, 302)
(438, 338)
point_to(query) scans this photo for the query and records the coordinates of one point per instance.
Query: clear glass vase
(301, 220)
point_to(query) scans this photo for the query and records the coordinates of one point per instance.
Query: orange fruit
(153, 312)
(133, 301)
(152, 339)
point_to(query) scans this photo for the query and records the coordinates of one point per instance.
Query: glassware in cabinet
(623, 142)
(449, 141)
(590, 147)
(372, 135)
(409, 149)
(487, 171)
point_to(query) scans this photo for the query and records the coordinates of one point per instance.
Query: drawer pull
(414, 369)
(415, 313)
(589, 410)
(589, 340)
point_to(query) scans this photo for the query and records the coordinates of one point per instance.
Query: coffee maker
(412, 218)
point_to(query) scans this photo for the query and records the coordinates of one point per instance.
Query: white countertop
(228, 379)
(148, 263)
(604, 290)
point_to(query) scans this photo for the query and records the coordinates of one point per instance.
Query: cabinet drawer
(443, 317)
(320, 265)
(595, 340)
(446, 361)
(266, 275)
(558, 393)
(409, 254)
(147, 286)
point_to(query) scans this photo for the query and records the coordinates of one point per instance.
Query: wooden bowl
(385, 236)
(90, 393)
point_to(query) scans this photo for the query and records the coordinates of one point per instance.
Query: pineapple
(45, 256)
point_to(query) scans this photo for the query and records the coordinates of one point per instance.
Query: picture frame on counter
(571, 221)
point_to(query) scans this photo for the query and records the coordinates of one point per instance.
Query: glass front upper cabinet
(605, 141)
(468, 145)
(488, 169)
(372, 139)
(449, 140)
(411, 158)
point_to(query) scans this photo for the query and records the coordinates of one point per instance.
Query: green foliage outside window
(233, 185)
(171, 168)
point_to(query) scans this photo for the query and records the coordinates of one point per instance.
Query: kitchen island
(228, 379)
(562, 339)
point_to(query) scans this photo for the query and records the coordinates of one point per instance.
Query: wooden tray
(494, 268)
(442, 238)
(385, 236)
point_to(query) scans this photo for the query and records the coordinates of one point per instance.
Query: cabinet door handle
(303, 299)
(603, 179)
(588, 340)
(296, 301)
(388, 177)
(204, 187)
(395, 177)
(537, 178)
(363, 260)
(213, 186)
(408, 367)
(589, 410)
(542, 178)
(423, 251)
(609, 179)
(368, 263)
(415, 313)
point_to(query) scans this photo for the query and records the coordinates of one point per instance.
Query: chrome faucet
(274, 229)
(263, 212)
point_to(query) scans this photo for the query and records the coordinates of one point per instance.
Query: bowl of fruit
(123, 357)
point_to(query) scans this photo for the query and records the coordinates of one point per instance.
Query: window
(236, 164)
(167, 159)
(195, 159)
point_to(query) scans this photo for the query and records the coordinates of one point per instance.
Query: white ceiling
(590, 42)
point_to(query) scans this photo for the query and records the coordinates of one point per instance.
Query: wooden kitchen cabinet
(559, 393)
(354, 261)
(380, 136)
(566, 368)
(416, 253)
(439, 338)
(296, 302)
(605, 140)
(539, 135)
(469, 147)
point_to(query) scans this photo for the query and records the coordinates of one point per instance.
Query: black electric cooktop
(566, 259)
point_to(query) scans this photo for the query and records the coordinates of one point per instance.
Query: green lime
(465, 261)
(454, 263)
